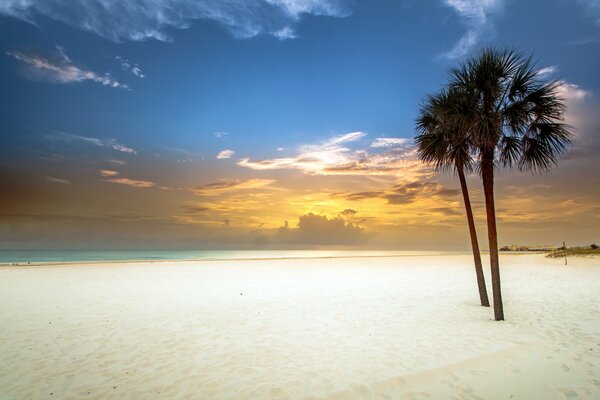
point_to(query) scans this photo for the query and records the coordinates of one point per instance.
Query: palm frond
(509, 113)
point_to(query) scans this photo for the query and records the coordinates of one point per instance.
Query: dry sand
(364, 328)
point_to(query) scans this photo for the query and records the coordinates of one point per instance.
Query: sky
(272, 123)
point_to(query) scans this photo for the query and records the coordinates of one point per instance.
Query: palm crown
(441, 140)
(514, 117)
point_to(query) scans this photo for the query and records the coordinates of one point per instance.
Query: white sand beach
(353, 328)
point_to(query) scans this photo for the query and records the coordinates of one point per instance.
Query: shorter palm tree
(442, 143)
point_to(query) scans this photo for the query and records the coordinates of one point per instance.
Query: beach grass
(575, 251)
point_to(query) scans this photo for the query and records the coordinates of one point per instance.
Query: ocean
(73, 256)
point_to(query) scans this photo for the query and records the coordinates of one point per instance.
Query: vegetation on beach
(593, 250)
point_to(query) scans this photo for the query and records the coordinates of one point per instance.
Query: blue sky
(184, 81)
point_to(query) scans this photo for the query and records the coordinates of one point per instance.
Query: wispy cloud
(117, 162)
(108, 143)
(59, 180)
(593, 7)
(220, 134)
(130, 67)
(547, 71)
(311, 158)
(108, 173)
(403, 193)
(334, 157)
(131, 182)
(225, 154)
(390, 142)
(114, 177)
(119, 20)
(475, 16)
(123, 149)
(231, 185)
(57, 67)
(285, 33)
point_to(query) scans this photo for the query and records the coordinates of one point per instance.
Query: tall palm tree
(515, 120)
(441, 142)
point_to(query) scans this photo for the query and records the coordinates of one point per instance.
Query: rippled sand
(363, 328)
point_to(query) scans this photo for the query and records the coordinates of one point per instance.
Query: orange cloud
(231, 185)
(131, 182)
(108, 173)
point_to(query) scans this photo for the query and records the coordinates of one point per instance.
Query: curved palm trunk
(487, 174)
(483, 296)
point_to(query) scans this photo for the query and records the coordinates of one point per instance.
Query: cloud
(220, 134)
(285, 33)
(572, 93)
(333, 157)
(313, 159)
(131, 182)
(404, 193)
(118, 20)
(108, 173)
(231, 185)
(225, 154)
(113, 177)
(347, 137)
(320, 230)
(116, 162)
(390, 142)
(194, 209)
(108, 143)
(547, 71)
(348, 212)
(123, 149)
(583, 114)
(57, 67)
(59, 180)
(593, 7)
(130, 67)
(475, 16)
(450, 212)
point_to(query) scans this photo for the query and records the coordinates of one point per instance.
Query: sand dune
(364, 328)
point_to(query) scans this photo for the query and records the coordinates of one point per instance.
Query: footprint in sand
(594, 382)
(565, 368)
(568, 393)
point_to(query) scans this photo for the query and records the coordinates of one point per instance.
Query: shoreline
(237, 259)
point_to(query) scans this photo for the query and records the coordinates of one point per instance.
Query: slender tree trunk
(487, 173)
(483, 296)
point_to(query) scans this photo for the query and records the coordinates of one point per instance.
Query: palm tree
(441, 142)
(515, 120)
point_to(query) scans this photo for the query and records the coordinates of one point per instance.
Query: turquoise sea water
(71, 256)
